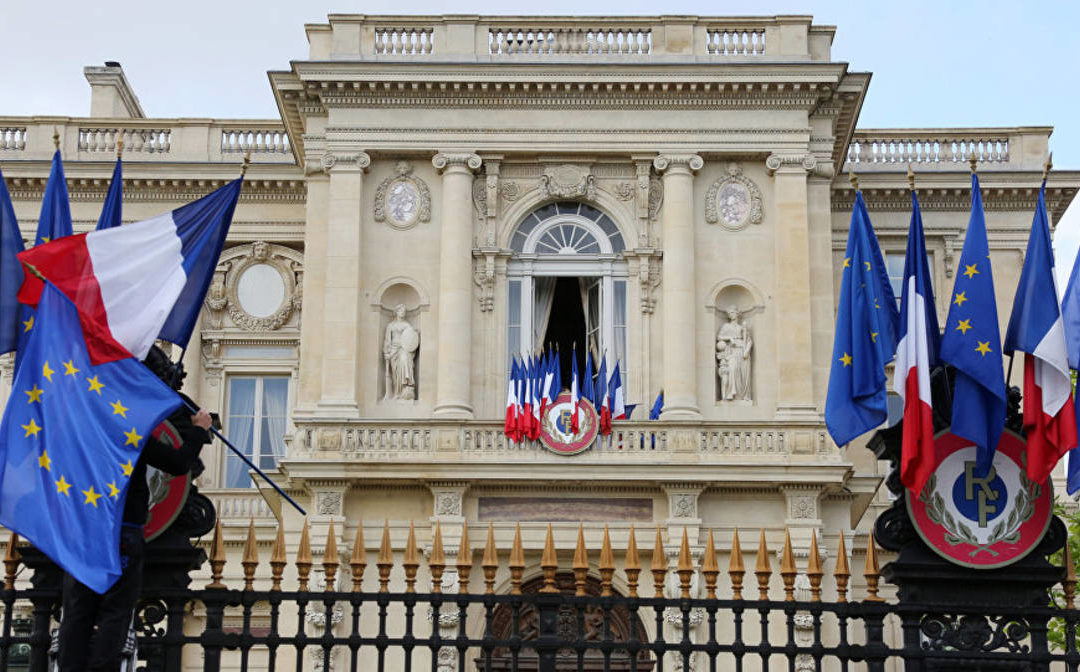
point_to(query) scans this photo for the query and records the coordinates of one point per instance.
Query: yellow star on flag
(127, 468)
(46, 371)
(44, 462)
(91, 496)
(69, 368)
(963, 325)
(960, 298)
(873, 336)
(95, 385)
(846, 359)
(62, 485)
(45, 239)
(983, 348)
(119, 409)
(114, 491)
(867, 265)
(132, 438)
(28, 324)
(31, 429)
(971, 270)
(34, 393)
(847, 262)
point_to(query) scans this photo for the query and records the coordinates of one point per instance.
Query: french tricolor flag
(916, 353)
(510, 426)
(136, 283)
(575, 395)
(1037, 330)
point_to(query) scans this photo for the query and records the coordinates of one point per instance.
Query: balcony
(948, 149)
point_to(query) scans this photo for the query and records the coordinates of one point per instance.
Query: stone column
(795, 393)
(454, 370)
(678, 285)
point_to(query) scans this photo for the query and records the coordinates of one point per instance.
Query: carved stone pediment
(734, 201)
(568, 181)
(402, 199)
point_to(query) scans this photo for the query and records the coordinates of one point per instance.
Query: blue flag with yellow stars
(867, 322)
(972, 343)
(69, 440)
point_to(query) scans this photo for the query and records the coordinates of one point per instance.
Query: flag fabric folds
(657, 407)
(113, 209)
(617, 396)
(1037, 330)
(575, 396)
(133, 284)
(916, 352)
(70, 437)
(11, 273)
(972, 343)
(587, 388)
(602, 398)
(510, 424)
(1070, 315)
(865, 333)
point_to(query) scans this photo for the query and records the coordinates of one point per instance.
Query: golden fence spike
(1068, 584)
(11, 561)
(464, 560)
(217, 559)
(763, 570)
(580, 565)
(685, 568)
(841, 571)
(659, 565)
(813, 569)
(872, 572)
(385, 559)
(632, 566)
(437, 562)
(709, 569)
(787, 568)
(303, 557)
(411, 562)
(490, 562)
(736, 569)
(277, 558)
(517, 562)
(607, 564)
(549, 563)
(250, 561)
(331, 561)
(358, 558)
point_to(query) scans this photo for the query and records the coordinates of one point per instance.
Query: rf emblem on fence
(985, 521)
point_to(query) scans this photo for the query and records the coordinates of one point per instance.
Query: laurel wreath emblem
(1008, 530)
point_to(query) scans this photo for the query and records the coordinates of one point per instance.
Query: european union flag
(972, 343)
(867, 322)
(69, 440)
(11, 273)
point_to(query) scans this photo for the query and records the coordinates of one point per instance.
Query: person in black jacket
(94, 627)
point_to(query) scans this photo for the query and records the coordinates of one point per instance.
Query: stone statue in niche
(400, 344)
(733, 350)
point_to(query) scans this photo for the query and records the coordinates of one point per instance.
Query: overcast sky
(934, 63)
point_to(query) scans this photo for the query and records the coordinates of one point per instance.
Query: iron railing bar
(327, 646)
(436, 635)
(5, 635)
(356, 600)
(382, 643)
(245, 634)
(409, 642)
(300, 639)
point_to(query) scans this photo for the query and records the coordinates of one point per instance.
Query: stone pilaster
(678, 285)
(453, 370)
(309, 387)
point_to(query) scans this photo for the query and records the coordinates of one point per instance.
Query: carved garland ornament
(733, 201)
(568, 181)
(402, 199)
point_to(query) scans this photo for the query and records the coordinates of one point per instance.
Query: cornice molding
(163, 189)
(958, 199)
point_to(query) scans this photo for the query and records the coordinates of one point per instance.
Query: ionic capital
(457, 161)
(790, 163)
(678, 163)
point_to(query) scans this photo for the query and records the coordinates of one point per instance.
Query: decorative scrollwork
(197, 517)
(974, 633)
(148, 614)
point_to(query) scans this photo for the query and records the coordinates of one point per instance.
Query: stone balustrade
(947, 149)
(243, 504)
(544, 41)
(12, 138)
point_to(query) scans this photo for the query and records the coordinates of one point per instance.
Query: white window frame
(256, 435)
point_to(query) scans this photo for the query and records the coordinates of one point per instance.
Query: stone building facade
(433, 183)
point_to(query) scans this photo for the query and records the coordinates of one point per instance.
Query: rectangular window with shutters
(255, 422)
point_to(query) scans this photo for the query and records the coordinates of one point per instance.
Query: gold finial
(385, 559)
(247, 162)
(11, 561)
(303, 557)
(217, 559)
(1048, 166)
(580, 565)
(972, 159)
(841, 572)
(1068, 584)
(685, 567)
(632, 566)
(277, 559)
(736, 569)
(330, 561)
(607, 564)
(871, 572)
(709, 568)
(787, 568)
(411, 562)
(549, 563)
(659, 565)
(490, 562)
(813, 569)
(437, 563)
(250, 561)
(853, 179)
(464, 560)
(120, 146)
(358, 558)
(517, 562)
(763, 571)
(910, 178)
(56, 138)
